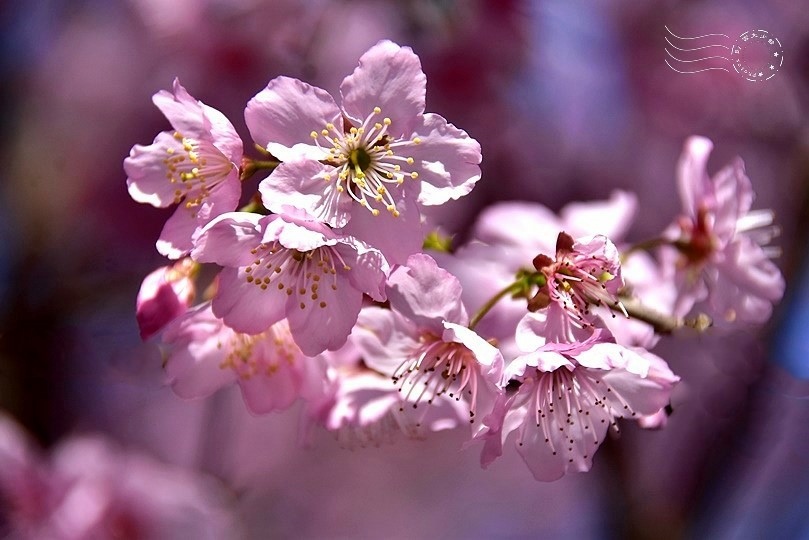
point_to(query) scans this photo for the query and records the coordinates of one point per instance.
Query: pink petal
(264, 393)
(388, 77)
(193, 365)
(228, 239)
(426, 294)
(175, 238)
(183, 111)
(223, 134)
(396, 237)
(733, 193)
(301, 184)
(509, 223)
(610, 218)
(146, 171)
(448, 159)
(487, 355)
(244, 306)
(282, 116)
(369, 269)
(692, 176)
(384, 337)
(317, 328)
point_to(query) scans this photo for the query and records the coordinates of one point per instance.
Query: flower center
(300, 273)
(437, 368)
(262, 354)
(367, 162)
(194, 168)
(359, 158)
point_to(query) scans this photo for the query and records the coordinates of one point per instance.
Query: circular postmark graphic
(756, 55)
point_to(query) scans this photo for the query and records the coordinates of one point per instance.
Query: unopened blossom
(561, 398)
(720, 241)
(196, 166)
(164, 295)
(584, 273)
(422, 342)
(370, 163)
(282, 267)
(202, 355)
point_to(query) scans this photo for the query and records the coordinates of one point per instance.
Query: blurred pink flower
(164, 295)
(280, 267)
(719, 241)
(561, 398)
(380, 150)
(91, 489)
(196, 165)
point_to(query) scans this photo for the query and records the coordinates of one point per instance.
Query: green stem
(511, 289)
(250, 166)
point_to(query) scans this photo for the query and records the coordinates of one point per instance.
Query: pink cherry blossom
(506, 238)
(164, 295)
(719, 239)
(202, 355)
(422, 342)
(561, 398)
(585, 273)
(379, 152)
(195, 166)
(280, 267)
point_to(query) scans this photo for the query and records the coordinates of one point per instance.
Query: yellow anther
(375, 212)
(395, 213)
(377, 110)
(378, 126)
(386, 121)
(330, 126)
(169, 150)
(389, 175)
(340, 189)
(352, 130)
(178, 136)
(397, 168)
(313, 135)
(324, 132)
(414, 175)
(410, 161)
(416, 140)
(378, 198)
(381, 189)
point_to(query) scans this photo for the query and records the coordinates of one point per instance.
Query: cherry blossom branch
(662, 323)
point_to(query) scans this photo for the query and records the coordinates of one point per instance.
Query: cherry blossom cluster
(330, 287)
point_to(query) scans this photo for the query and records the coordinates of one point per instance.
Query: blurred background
(569, 99)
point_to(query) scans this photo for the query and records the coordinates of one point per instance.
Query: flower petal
(246, 307)
(448, 158)
(322, 326)
(228, 239)
(388, 77)
(302, 184)
(692, 176)
(426, 294)
(282, 116)
(396, 237)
